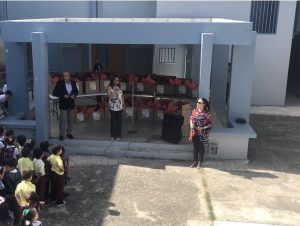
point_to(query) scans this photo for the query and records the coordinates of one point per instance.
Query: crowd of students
(30, 178)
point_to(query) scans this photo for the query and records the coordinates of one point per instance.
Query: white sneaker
(61, 204)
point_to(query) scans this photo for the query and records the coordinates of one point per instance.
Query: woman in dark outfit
(200, 123)
(67, 91)
(115, 105)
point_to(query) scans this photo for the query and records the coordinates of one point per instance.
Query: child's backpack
(7, 152)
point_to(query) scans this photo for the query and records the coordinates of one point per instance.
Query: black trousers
(199, 149)
(115, 123)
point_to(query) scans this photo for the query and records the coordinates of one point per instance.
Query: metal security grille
(166, 55)
(264, 15)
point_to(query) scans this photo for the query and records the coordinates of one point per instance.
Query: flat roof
(128, 30)
(132, 20)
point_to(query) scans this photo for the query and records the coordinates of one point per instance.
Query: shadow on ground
(277, 145)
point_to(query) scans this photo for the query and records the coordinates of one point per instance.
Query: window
(166, 55)
(264, 15)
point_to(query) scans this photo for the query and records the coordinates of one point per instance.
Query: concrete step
(181, 152)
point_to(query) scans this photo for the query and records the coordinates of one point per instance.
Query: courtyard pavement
(137, 192)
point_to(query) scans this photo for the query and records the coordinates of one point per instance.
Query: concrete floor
(124, 191)
(145, 131)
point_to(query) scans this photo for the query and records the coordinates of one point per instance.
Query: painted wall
(177, 69)
(48, 9)
(129, 9)
(272, 51)
(272, 60)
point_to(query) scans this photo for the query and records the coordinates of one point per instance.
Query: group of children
(30, 177)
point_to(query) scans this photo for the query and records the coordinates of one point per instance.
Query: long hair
(207, 105)
(112, 79)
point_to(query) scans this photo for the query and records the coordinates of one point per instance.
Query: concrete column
(205, 64)
(219, 75)
(17, 76)
(41, 84)
(241, 80)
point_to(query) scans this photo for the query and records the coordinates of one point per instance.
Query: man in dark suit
(67, 91)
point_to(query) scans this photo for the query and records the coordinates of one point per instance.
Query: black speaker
(171, 128)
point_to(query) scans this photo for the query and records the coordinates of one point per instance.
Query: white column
(41, 84)
(17, 76)
(241, 80)
(205, 64)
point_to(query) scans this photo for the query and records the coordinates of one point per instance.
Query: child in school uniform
(39, 171)
(44, 145)
(25, 163)
(30, 217)
(21, 140)
(12, 176)
(57, 176)
(24, 189)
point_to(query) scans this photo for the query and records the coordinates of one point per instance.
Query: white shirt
(1, 142)
(68, 87)
(39, 167)
(3, 98)
(4, 88)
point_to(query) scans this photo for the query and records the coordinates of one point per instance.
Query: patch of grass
(212, 216)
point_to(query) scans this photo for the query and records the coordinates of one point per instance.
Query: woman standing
(67, 91)
(115, 105)
(200, 123)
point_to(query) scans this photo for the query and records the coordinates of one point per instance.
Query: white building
(273, 21)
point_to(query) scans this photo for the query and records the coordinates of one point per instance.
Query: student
(2, 187)
(44, 145)
(11, 151)
(39, 171)
(24, 189)
(25, 163)
(4, 101)
(34, 201)
(30, 143)
(15, 209)
(21, 141)
(12, 176)
(30, 217)
(67, 91)
(57, 176)
(5, 218)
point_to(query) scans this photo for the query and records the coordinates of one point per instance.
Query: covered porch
(209, 37)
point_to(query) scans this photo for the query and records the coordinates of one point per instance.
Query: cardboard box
(186, 111)
(158, 115)
(79, 87)
(150, 89)
(192, 93)
(103, 85)
(82, 117)
(145, 114)
(140, 87)
(91, 87)
(97, 116)
(123, 86)
(165, 89)
(130, 112)
(180, 90)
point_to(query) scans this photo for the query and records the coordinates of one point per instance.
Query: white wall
(48, 9)
(272, 60)
(177, 69)
(129, 9)
(272, 51)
